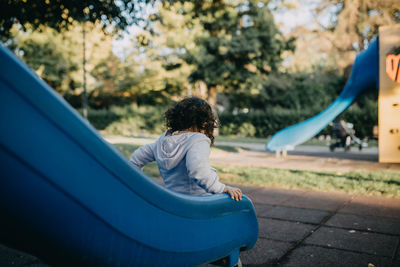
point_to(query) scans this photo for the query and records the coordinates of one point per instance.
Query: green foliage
(246, 129)
(296, 91)
(127, 126)
(101, 119)
(363, 114)
(130, 120)
(358, 21)
(265, 122)
(57, 56)
(354, 25)
(51, 55)
(241, 43)
(289, 98)
(227, 128)
(59, 14)
(230, 45)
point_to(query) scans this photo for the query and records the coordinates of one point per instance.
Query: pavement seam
(329, 226)
(362, 231)
(368, 215)
(285, 206)
(346, 250)
(299, 242)
(286, 220)
(277, 240)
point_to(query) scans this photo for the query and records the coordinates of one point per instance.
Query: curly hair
(191, 112)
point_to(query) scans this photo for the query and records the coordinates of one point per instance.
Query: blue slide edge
(69, 197)
(364, 76)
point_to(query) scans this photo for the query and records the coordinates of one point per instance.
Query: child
(182, 151)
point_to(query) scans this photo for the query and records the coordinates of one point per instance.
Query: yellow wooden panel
(389, 94)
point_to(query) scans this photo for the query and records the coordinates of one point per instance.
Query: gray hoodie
(183, 162)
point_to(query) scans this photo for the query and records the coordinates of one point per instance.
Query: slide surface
(364, 76)
(70, 198)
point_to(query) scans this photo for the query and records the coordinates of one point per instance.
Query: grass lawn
(378, 183)
(239, 139)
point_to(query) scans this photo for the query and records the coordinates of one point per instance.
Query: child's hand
(234, 192)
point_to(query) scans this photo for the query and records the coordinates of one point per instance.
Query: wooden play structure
(389, 94)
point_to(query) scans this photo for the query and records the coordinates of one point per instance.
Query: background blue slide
(70, 198)
(364, 76)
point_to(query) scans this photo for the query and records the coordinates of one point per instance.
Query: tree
(61, 13)
(355, 25)
(51, 55)
(57, 56)
(151, 64)
(237, 46)
(337, 31)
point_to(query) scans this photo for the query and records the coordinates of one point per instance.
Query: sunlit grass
(379, 183)
(239, 139)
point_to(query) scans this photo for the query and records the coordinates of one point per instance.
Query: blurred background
(263, 65)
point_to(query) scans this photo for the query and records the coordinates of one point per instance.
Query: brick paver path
(308, 228)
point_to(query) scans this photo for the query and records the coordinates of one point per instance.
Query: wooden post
(389, 94)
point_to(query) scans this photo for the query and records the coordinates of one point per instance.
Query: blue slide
(70, 198)
(364, 76)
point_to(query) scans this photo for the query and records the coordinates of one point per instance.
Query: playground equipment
(389, 94)
(373, 68)
(70, 198)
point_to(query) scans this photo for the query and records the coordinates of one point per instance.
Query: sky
(121, 45)
(302, 15)
(288, 20)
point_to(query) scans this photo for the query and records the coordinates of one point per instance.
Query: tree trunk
(212, 100)
(212, 95)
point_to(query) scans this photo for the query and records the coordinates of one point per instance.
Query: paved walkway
(307, 228)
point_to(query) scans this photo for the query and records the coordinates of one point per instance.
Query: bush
(260, 123)
(247, 129)
(289, 98)
(227, 129)
(100, 119)
(128, 126)
(128, 120)
(293, 91)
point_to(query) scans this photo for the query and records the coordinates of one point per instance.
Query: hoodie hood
(171, 149)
